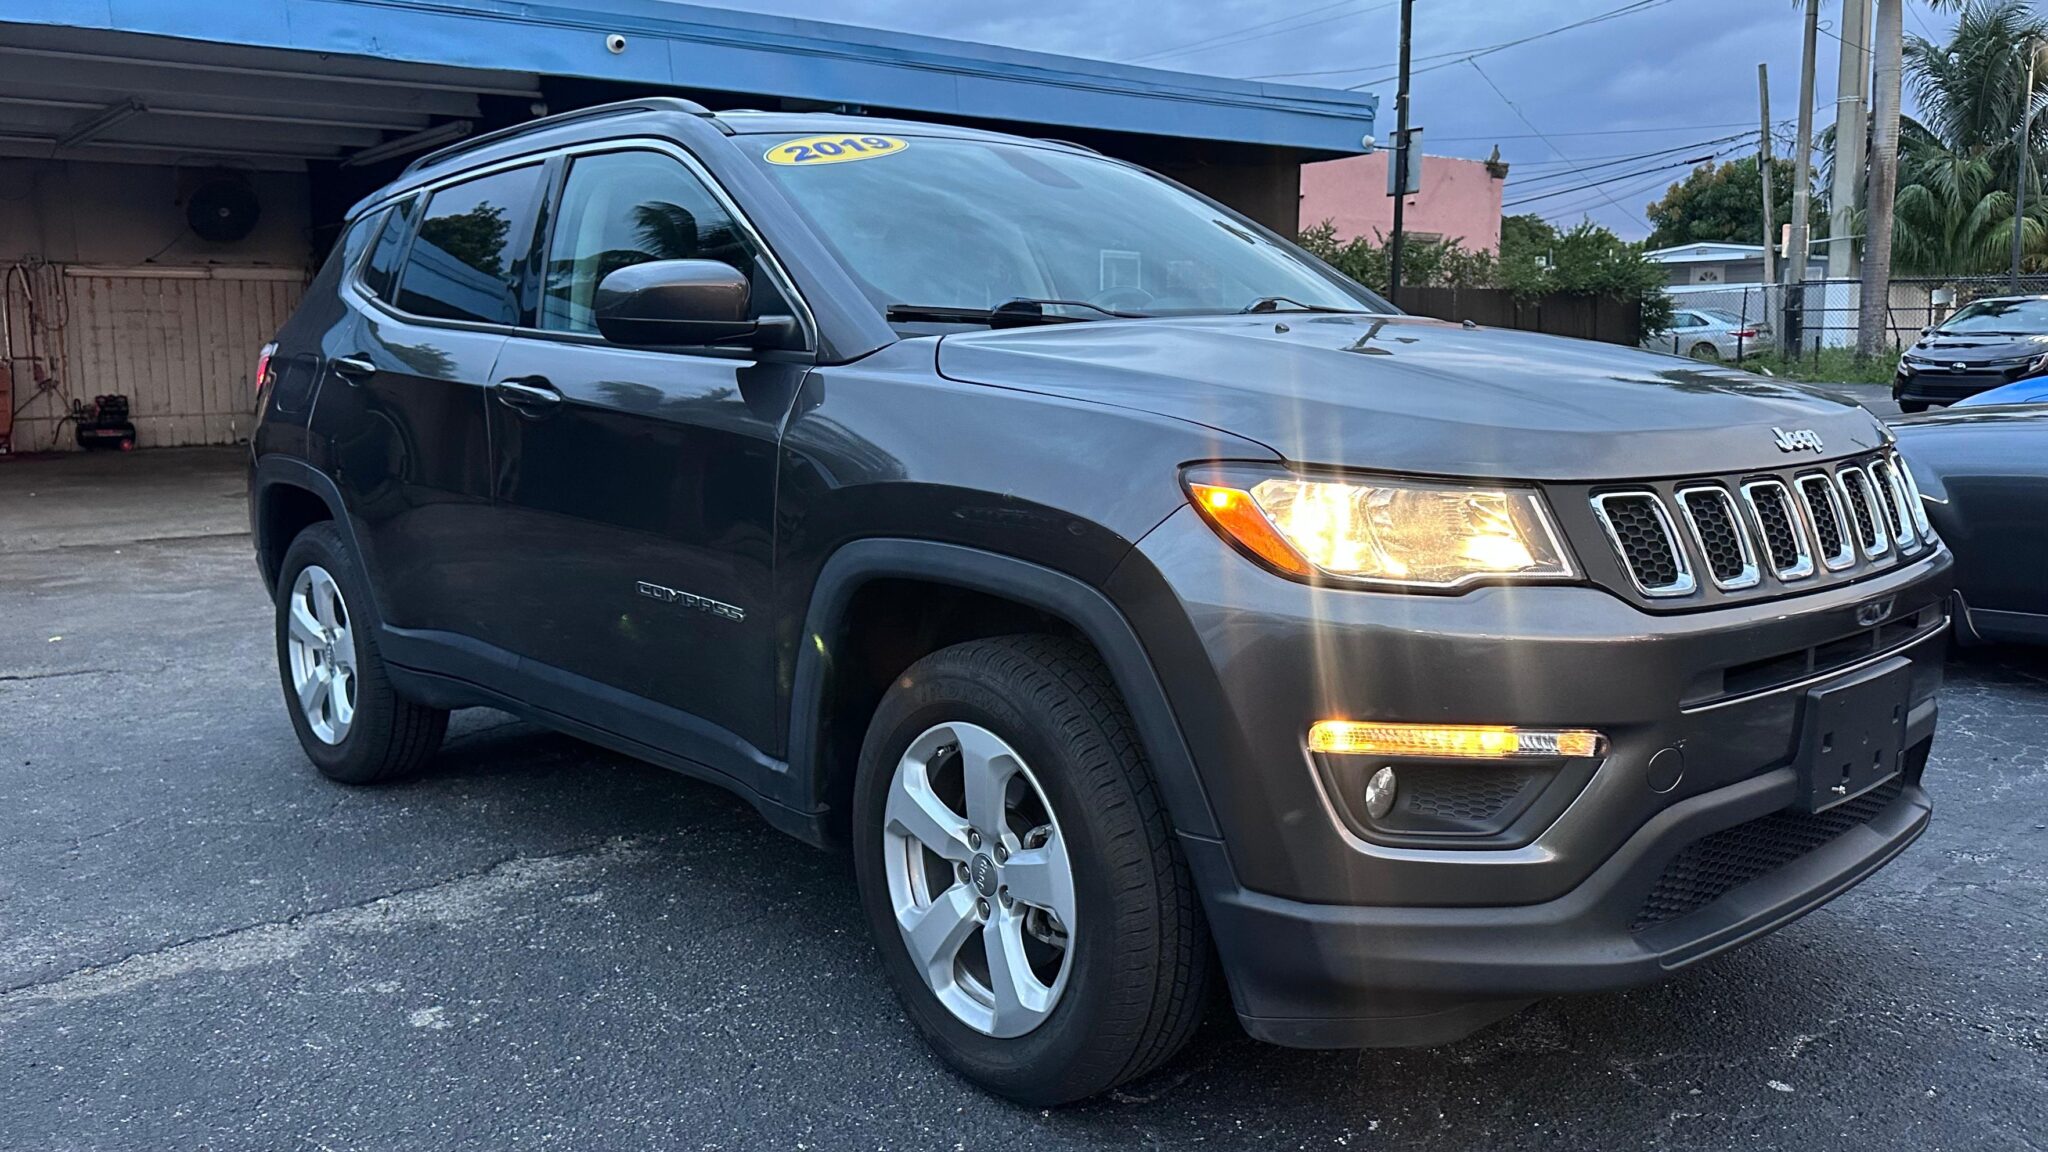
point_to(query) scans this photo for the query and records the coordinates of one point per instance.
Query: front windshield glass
(971, 224)
(2012, 316)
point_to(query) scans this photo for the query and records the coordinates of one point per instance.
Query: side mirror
(674, 303)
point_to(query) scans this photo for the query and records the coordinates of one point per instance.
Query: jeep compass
(1146, 608)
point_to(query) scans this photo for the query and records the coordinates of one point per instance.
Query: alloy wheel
(322, 650)
(979, 879)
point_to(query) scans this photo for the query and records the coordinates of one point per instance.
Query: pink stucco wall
(1460, 199)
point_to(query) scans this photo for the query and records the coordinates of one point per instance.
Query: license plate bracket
(1854, 734)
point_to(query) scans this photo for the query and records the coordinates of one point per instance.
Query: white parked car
(1710, 334)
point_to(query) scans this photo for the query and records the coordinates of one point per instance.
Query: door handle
(532, 396)
(353, 369)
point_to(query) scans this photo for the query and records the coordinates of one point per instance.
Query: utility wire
(1657, 169)
(1602, 132)
(1512, 107)
(1436, 60)
(1574, 169)
(1236, 36)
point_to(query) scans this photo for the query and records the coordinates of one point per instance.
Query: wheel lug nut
(973, 839)
(1002, 854)
(981, 908)
(1009, 901)
(960, 870)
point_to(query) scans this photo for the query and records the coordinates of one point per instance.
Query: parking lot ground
(205, 945)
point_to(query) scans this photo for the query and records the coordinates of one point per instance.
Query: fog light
(1379, 794)
(1451, 741)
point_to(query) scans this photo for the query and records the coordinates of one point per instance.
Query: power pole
(1802, 156)
(2026, 151)
(1852, 88)
(1873, 322)
(1790, 334)
(1763, 164)
(1400, 159)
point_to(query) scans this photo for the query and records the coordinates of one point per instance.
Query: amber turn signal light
(1451, 741)
(1233, 512)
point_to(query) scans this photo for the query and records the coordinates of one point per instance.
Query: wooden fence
(1607, 318)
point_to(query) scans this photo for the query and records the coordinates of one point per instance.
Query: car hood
(1414, 395)
(1963, 348)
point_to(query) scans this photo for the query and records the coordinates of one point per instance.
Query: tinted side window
(625, 208)
(472, 248)
(382, 268)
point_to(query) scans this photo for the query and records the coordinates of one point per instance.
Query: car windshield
(936, 223)
(2015, 317)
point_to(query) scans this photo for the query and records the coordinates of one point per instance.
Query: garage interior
(170, 175)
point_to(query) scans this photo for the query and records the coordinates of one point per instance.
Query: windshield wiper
(1288, 304)
(1016, 313)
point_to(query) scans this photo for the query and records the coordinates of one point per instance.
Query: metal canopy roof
(280, 82)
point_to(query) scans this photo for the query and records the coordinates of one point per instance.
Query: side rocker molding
(1055, 593)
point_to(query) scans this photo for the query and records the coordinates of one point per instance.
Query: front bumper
(1346, 976)
(1935, 386)
(1333, 936)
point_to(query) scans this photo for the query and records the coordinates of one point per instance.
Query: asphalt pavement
(203, 944)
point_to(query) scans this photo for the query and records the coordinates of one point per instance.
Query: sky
(1673, 75)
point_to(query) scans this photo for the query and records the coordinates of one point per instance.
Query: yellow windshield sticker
(834, 149)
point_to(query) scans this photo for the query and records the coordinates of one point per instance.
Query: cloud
(1669, 75)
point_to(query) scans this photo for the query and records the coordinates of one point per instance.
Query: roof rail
(594, 112)
(1068, 144)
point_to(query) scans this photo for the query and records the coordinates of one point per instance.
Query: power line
(1552, 144)
(1603, 132)
(1460, 55)
(1236, 36)
(1574, 169)
(1659, 167)
(1657, 170)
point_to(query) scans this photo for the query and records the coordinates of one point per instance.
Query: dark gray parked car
(1141, 603)
(1986, 475)
(1987, 344)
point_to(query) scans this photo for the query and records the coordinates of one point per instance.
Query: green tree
(475, 237)
(1535, 259)
(1724, 204)
(1959, 159)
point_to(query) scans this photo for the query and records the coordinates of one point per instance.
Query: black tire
(1140, 969)
(389, 737)
(1705, 351)
(1910, 407)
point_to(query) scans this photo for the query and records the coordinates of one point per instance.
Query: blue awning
(671, 45)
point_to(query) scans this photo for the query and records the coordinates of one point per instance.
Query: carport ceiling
(93, 94)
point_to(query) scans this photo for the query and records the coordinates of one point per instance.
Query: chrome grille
(1642, 534)
(1871, 531)
(1785, 547)
(1898, 509)
(1718, 530)
(1913, 498)
(1740, 536)
(1823, 506)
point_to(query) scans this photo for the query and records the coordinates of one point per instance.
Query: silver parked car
(1710, 334)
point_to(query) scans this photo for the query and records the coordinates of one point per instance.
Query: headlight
(1399, 533)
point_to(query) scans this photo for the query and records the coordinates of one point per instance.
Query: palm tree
(1958, 163)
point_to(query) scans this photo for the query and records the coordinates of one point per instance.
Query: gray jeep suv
(1143, 605)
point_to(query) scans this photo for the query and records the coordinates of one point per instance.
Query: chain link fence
(1821, 314)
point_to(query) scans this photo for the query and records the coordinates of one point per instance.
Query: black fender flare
(1055, 593)
(273, 471)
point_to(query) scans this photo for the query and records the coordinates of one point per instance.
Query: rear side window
(471, 251)
(625, 208)
(382, 270)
